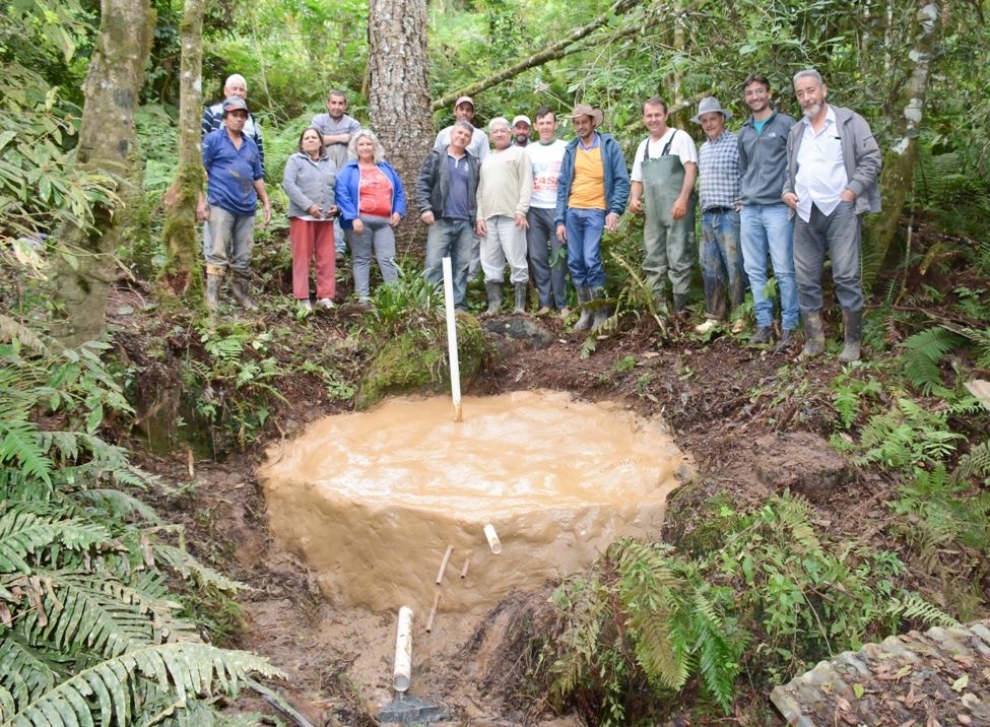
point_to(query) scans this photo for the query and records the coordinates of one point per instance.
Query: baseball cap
(234, 103)
(464, 99)
(522, 118)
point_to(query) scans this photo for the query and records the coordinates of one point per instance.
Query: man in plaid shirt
(720, 251)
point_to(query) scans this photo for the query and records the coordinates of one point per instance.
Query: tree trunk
(398, 97)
(899, 160)
(108, 145)
(182, 278)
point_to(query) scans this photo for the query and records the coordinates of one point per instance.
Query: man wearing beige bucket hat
(592, 192)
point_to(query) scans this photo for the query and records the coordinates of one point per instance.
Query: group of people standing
(781, 190)
(339, 187)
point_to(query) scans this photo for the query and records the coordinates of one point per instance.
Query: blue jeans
(451, 238)
(546, 259)
(840, 234)
(231, 242)
(767, 230)
(721, 261)
(584, 247)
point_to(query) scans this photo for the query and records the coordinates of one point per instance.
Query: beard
(811, 111)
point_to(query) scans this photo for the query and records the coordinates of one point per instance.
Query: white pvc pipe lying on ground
(493, 542)
(403, 651)
(455, 365)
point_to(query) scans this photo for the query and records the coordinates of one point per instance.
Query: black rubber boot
(520, 306)
(240, 288)
(814, 335)
(853, 332)
(494, 292)
(584, 297)
(213, 291)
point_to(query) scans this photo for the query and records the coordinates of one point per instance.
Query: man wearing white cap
(663, 174)
(478, 148)
(464, 111)
(521, 126)
(720, 250)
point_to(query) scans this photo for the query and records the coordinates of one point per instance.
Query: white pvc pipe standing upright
(455, 366)
(403, 651)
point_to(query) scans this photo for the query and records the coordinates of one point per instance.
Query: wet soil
(753, 420)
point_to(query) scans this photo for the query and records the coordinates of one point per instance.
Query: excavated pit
(373, 500)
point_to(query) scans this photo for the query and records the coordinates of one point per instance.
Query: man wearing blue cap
(235, 182)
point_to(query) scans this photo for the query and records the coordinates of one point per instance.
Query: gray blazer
(860, 153)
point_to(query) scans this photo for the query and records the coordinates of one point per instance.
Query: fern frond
(921, 354)
(24, 675)
(718, 658)
(106, 690)
(23, 534)
(912, 605)
(119, 504)
(188, 566)
(975, 463)
(795, 512)
(649, 593)
(20, 446)
(12, 331)
(77, 614)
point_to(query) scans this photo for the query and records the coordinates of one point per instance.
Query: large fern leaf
(106, 691)
(24, 533)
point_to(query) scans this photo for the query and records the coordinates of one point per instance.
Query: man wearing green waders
(663, 174)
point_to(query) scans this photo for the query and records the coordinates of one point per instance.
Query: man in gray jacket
(833, 163)
(766, 229)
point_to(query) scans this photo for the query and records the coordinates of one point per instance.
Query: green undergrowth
(98, 593)
(743, 600)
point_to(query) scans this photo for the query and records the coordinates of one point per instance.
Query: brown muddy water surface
(373, 500)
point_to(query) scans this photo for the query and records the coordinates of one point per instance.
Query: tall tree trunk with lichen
(181, 279)
(87, 265)
(398, 95)
(900, 158)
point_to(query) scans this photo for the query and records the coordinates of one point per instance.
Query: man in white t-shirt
(663, 174)
(547, 256)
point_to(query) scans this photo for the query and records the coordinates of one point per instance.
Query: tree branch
(558, 50)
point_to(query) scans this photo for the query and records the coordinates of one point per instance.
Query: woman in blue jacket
(372, 203)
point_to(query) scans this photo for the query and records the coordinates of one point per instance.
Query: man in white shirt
(663, 174)
(833, 163)
(547, 256)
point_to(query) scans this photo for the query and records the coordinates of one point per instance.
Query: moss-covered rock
(416, 361)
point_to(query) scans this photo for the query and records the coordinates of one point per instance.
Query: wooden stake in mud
(443, 564)
(433, 612)
(455, 366)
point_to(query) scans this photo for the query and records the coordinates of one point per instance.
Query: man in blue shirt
(235, 181)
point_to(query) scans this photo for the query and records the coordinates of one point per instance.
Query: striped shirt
(718, 167)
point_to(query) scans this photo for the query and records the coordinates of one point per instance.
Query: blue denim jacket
(616, 177)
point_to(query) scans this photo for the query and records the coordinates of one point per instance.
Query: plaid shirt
(718, 166)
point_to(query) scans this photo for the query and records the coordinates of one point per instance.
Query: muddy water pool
(373, 500)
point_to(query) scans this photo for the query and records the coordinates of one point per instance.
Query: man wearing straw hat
(592, 192)
(720, 252)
